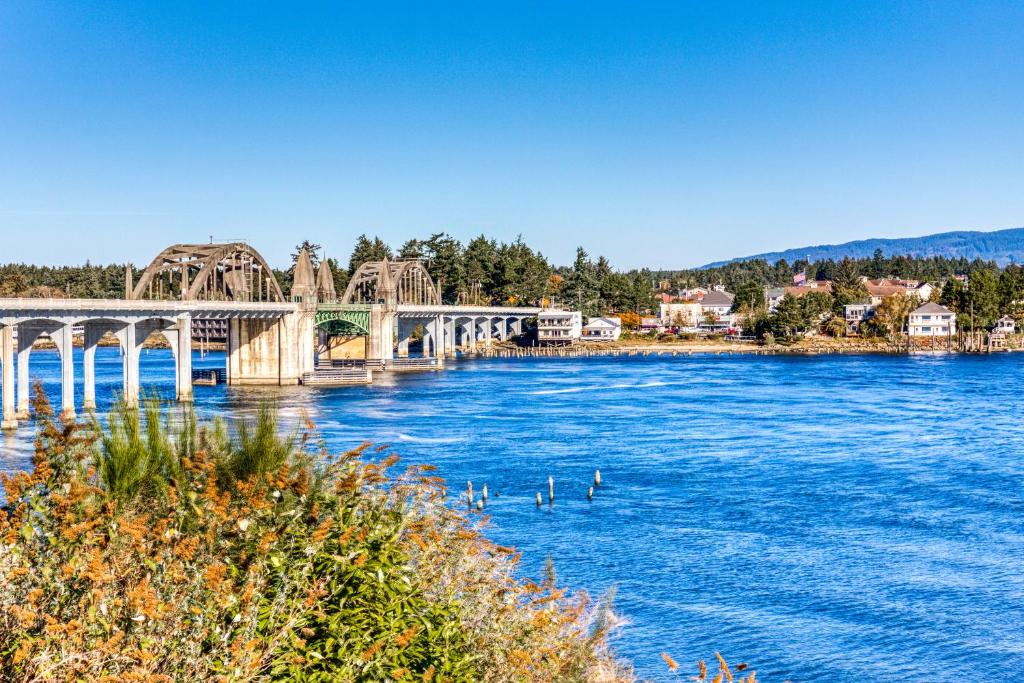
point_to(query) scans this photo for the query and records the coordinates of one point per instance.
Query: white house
(602, 329)
(1005, 325)
(558, 327)
(684, 314)
(932, 320)
(715, 310)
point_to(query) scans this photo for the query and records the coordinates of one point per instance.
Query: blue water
(846, 518)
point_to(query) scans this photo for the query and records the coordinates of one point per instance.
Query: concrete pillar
(404, 331)
(471, 329)
(428, 338)
(488, 326)
(62, 337)
(26, 337)
(184, 359)
(439, 340)
(7, 414)
(449, 338)
(127, 337)
(93, 334)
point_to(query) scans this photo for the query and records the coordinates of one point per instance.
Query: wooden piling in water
(551, 489)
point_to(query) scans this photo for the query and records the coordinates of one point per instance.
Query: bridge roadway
(268, 342)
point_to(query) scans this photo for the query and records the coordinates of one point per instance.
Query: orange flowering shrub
(146, 552)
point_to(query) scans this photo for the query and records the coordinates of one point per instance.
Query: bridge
(272, 339)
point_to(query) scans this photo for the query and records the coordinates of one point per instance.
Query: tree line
(481, 271)
(779, 274)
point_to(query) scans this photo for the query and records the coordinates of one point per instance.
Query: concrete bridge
(271, 339)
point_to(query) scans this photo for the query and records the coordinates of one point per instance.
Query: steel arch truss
(397, 282)
(344, 320)
(209, 272)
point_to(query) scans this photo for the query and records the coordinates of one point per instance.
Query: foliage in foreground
(144, 552)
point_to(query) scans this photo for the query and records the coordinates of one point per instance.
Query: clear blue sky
(661, 134)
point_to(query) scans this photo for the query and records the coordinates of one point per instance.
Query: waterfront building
(556, 327)
(857, 314)
(651, 325)
(602, 329)
(715, 314)
(1005, 325)
(681, 314)
(932, 320)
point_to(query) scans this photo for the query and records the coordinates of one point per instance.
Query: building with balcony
(556, 327)
(932, 320)
(602, 329)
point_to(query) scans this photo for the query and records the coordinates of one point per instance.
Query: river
(829, 518)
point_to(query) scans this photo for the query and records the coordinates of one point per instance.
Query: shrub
(220, 557)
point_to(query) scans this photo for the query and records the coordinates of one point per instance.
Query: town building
(651, 325)
(879, 289)
(692, 293)
(772, 297)
(716, 311)
(556, 327)
(602, 329)
(681, 314)
(1005, 325)
(858, 314)
(932, 320)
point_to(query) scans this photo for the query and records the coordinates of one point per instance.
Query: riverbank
(809, 346)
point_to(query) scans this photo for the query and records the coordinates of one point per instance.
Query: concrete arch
(209, 272)
(392, 282)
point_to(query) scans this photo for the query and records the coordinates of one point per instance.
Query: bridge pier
(273, 350)
(62, 337)
(403, 328)
(127, 336)
(448, 327)
(487, 325)
(180, 339)
(7, 416)
(93, 334)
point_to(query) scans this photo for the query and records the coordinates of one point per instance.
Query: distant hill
(1001, 246)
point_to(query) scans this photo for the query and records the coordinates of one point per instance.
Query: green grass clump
(146, 551)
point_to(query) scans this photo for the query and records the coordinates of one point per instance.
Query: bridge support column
(65, 347)
(183, 386)
(437, 339)
(26, 337)
(449, 338)
(403, 329)
(130, 374)
(7, 416)
(93, 334)
(471, 329)
(488, 325)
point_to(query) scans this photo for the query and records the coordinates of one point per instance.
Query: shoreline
(802, 348)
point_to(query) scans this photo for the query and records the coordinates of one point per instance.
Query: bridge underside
(273, 343)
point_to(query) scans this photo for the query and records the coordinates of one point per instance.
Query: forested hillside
(1001, 246)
